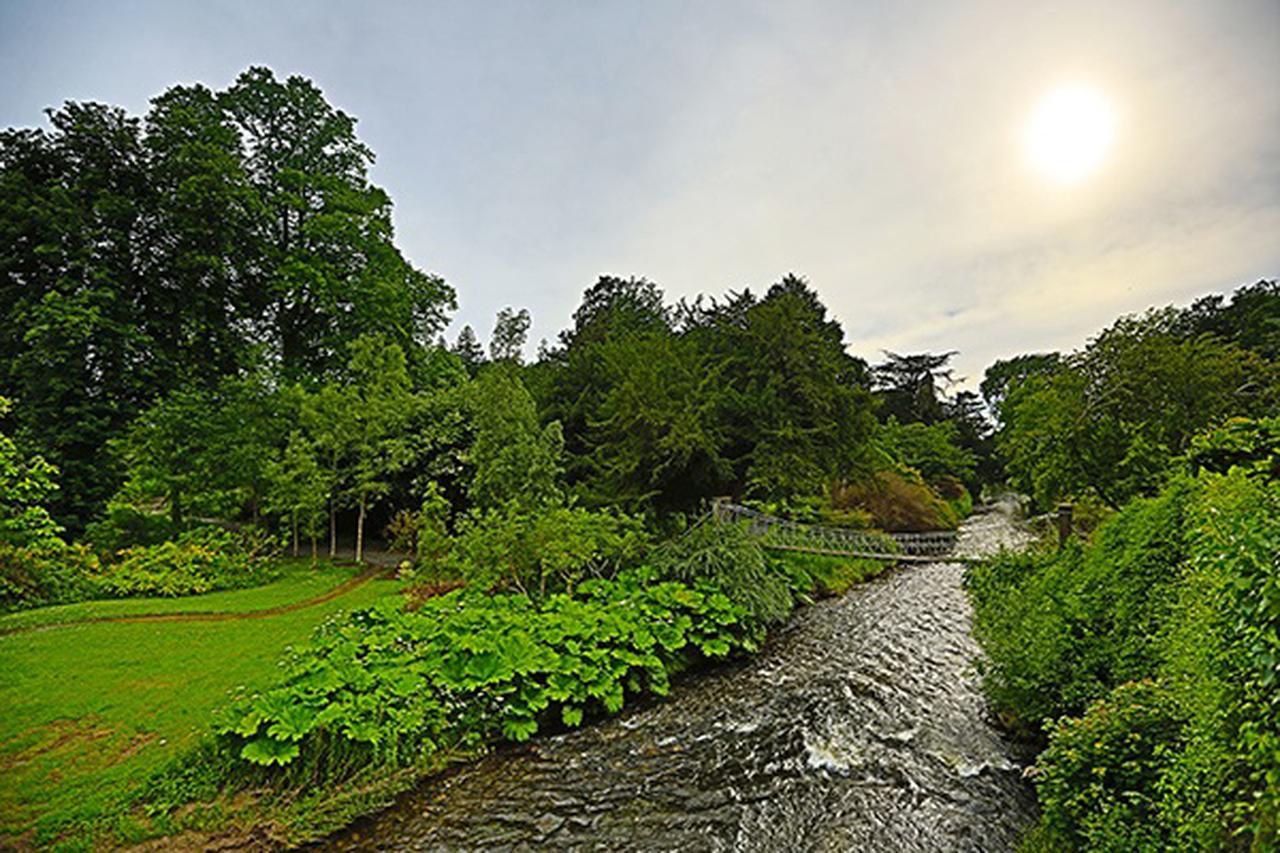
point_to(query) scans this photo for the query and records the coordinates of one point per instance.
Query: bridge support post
(1065, 512)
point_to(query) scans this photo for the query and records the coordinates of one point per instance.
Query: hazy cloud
(530, 147)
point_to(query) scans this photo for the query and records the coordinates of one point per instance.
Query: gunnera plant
(729, 556)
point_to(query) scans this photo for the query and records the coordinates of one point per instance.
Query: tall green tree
(655, 439)
(380, 404)
(1114, 416)
(516, 460)
(510, 331)
(298, 489)
(793, 404)
(223, 234)
(26, 484)
(912, 388)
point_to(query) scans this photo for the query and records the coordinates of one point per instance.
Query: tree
(225, 234)
(910, 387)
(1006, 374)
(933, 450)
(1250, 318)
(468, 349)
(298, 489)
(326, 418)
(26, 484)
(1114, 416)
(792, 402)
(515, 459)
(379, 404)
(510, 331)
(655, 440)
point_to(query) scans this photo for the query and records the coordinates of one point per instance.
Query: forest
(220, 378)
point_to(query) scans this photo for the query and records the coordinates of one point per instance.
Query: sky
(877, 149)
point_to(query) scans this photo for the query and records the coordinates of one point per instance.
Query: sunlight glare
(1069, 133)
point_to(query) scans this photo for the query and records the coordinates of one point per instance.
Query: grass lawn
(299, 581)
(88, 711)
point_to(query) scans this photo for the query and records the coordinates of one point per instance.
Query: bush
(1061, 628)
(1098, 779)
(39, 576)
(898, 501)
(126, 526)
(729, 557)
(197, 562)
(542, 551)
(819, 574)
(1160, 635)
(815, 509)
(389, 686)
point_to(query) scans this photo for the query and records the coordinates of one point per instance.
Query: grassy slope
(298, 582)
(87, 712)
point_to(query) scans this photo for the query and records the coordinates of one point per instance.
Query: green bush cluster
(540, 551)
(815, 509)
(899, 500)
(391, 686)
(1149, 659)
(41, 575)
(728, 556)
(197, 562)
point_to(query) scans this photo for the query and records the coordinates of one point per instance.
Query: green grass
(299, 581)
(88, 712)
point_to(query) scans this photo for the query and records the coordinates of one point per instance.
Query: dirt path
(197, 616)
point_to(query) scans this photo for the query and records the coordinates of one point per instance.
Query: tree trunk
(295, 534)
(175, 510)
(360, 534)
(333, 530)
(314, 546)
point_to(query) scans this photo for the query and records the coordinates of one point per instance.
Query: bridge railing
(784, 533)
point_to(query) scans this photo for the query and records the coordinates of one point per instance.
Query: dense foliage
(1149, 656)
(221, 233)
(1112, 419)
(41, 575)
(198, 561)
(389, 685)
(731, 558)
(26, 485)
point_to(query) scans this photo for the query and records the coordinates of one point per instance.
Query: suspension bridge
(784, 535)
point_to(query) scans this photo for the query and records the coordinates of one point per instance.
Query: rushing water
(859, 727)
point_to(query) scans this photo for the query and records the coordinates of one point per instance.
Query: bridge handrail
(786, 531)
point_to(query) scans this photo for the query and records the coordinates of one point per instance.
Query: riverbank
(860, 725)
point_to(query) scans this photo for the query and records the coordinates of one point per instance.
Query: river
(860, 726)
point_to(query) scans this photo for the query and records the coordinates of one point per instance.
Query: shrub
(816, 509)
(544, 550)
(824, 575)
(39, 576)
(389, 686)
(898, 501)
(126, 526)
(1160, 635)
(728, 556)
(1097, 780)
(1061, 628)
(196, 562)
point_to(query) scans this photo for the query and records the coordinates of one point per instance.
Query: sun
(1069, 133)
